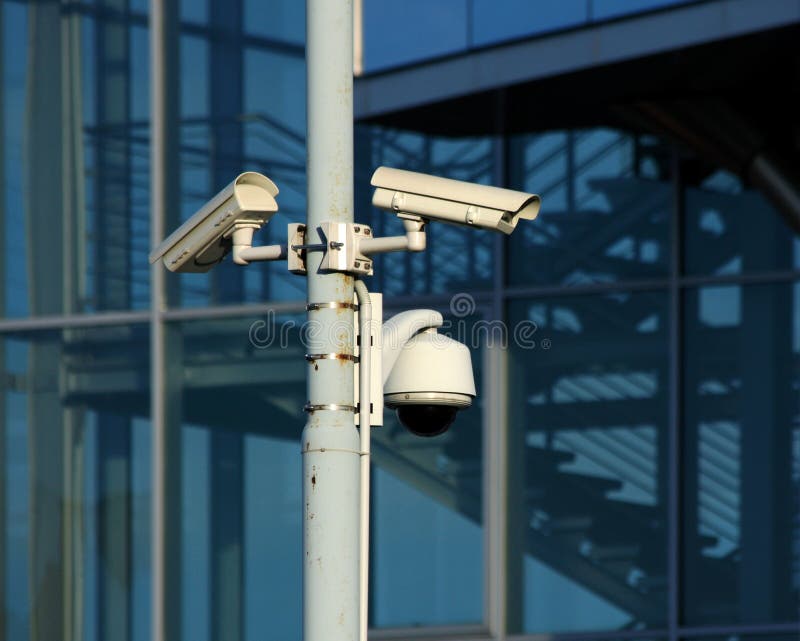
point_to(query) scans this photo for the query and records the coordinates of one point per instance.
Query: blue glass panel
(76, 484)
(606, 204)
(741, 478)
(140, 6)
(497, 20)
(603, 9)
(282, 21)
(258, 126)
(397, 33)
(273, 537)
(427, 537)
(15, 60)
(732, 230)
(194, 79)
(242, 396)
(75, 104)
(194, 11)
(275, 129)
(588, 487)
(424, 549)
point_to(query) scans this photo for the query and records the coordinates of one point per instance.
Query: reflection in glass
(397, 33)
(427, 511)
(587, 448)
(242, 392)
(279, 21)
(74, 105)
(606, 203)
(456, 26)
(498, 20)
(742, 455)
(605, 9)
(75, 479)
(427, 541)
(234, 121)
(732, 230)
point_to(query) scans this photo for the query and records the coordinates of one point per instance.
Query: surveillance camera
(429, 382)
(204, 240)
(415, 195)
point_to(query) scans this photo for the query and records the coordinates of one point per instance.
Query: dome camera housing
(430, 381)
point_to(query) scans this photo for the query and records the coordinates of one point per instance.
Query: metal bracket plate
(296, 258)
(341, 251)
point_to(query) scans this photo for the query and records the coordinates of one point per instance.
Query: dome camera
(431, 380)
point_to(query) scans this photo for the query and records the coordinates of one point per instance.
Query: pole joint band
(312, 307)
(331, 357)
(333, 407)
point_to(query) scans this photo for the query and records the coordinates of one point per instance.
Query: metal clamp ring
(332, 357)
(308, 407)
(312, 307)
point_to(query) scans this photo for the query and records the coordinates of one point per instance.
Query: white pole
(330, 442)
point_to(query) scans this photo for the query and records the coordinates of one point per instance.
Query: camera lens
(426, 420)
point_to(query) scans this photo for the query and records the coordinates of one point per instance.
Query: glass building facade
(630, 470)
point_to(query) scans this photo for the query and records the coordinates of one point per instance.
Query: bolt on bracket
(342, 254)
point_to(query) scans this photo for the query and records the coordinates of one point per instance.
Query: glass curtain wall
(632, 463)
(653, 444)
(75, 472)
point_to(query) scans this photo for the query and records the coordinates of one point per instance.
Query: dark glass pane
(606, 205)
(285, 20)
(742, 455)
(587, 448)
(12, 207)
(427, 551)
(391, 40)
(75, 484)
(604, 9)
(233, 121)
(456, 259)
(497, 20)
(243, 389)
(732, 230)
(194, 10)
(74, 106)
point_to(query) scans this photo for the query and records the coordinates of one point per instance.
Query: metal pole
(166, 361)
(330, 442)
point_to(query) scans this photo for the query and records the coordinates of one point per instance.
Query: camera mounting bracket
(343, 248)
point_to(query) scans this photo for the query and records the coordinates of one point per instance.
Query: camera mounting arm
(243, 252)
(399, 329)
(413, 241)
